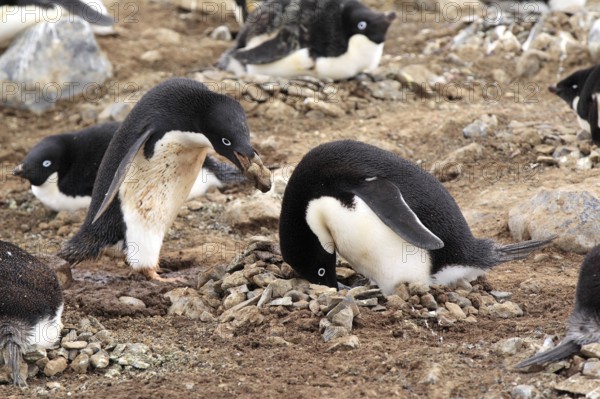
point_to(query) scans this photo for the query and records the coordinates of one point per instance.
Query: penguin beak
(255, 171)
(553, 89)
(18, 171)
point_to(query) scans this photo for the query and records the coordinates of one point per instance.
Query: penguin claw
(152, 275)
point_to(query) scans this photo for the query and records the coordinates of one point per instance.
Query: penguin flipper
(562, 351)
(593, 120)
(385, 199)
(121, 173)
(282, 45)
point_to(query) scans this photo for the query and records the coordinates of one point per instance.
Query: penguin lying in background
(334, 39)
(584, 322)
(62, 168)
(150, 167)
(581, 90)
(392, 221)
(31, 306)
(16, 16)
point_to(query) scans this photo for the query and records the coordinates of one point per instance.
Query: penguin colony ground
(392, 221)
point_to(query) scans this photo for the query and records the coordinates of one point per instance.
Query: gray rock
(523, 392)
(114, 371)
(34, 355)
(56, 61)
(280, 287)
(459, 299)
(429, 302)
(186, 302)
(233, 280)
(389, 90)
(591, 368)
(504, 310)
(133, 302)
(233, 299)
(342, 318)
(230, 314)
(333, 332)
(74, 345)
(345, 343)
(418, 289)
(115, 112)
(248, 316)
(481, 127)
(512, 346)
(501, 295)
(591, 350)
(81, 363)
(137, 361)
(572, 212)
(55, 366)
(531, 286)
(456, 162)
(265, 297)
(253, 210)
(100, 360)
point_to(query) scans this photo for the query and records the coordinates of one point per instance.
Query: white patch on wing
(297, 63)
(371, 247)
(451, 274)
(49, 195)
(46, 332)
(205, 181)
(155, 189)
(362, 55)
(585, 125)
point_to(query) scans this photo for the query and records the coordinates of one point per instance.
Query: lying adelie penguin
(580, 90)
(31, 306)
(62, 168)
(164, 140)
(392, 221)
(334, 39)
(584, 322)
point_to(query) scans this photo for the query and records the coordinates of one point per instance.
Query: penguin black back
(30, 304)
(407, 199)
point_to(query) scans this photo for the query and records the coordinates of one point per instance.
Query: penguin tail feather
(520, 250)
(562, 351)
(12, 339)
(79, 248)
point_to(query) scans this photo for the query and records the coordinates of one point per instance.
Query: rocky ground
(241, 324)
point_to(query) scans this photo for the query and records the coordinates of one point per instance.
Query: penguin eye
(574, 87)
(225, 141)
(321, 272)
(362, 25)
(46, 163)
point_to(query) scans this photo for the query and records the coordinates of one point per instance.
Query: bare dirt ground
(200, 363)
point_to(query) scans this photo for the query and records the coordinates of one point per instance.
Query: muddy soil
(198, 362)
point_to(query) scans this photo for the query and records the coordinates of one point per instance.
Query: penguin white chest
(297, 63)
(47, 331)
(371, 247)
(585, 125)
(362, 55)
(49, 195)
(154, 190)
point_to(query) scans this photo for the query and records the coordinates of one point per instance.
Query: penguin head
(41, 162)
(570, 87)
(358, 19)
(227, 130)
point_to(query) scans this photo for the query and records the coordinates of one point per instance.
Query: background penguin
(392, 221)
(334, 39)
(14, 21)
(62, 168)
(151, 164)
(580, 90)
(584, 322)
(31, 306)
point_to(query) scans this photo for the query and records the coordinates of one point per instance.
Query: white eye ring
(321, 272)
(46, 163)
(575, 87)
(362, 25)
(225, 141)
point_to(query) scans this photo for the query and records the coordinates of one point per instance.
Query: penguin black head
(359, 19)
(570, 87)
(42, 161)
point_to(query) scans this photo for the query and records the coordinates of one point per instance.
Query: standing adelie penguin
(392, 221)
(334, 39)
(584, 322)
(151, 164)
(31, 306)
(581, 90)
(62, 168)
